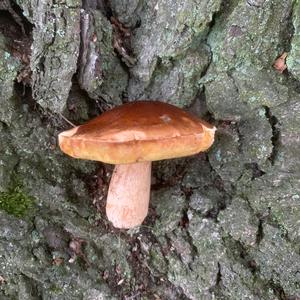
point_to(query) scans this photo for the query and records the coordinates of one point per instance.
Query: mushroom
(131, 136)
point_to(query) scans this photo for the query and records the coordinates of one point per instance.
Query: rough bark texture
(222, 225)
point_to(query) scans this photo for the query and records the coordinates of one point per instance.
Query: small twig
(67, 120)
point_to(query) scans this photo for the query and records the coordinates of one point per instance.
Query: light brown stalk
(128, 194)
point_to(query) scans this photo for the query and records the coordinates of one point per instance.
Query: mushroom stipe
(131, 136)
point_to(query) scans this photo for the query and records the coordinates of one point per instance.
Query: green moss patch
(16, 202)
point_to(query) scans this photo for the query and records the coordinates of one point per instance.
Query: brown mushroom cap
(136, 132)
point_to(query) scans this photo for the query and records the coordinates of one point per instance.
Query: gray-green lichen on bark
(55, 49)
(171, 31)
(293, 58)
(222, 225)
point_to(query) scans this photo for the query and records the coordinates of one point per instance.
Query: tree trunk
(221, 225)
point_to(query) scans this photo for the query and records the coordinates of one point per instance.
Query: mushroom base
(129, 194)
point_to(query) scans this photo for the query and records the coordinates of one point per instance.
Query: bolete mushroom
(131, 136)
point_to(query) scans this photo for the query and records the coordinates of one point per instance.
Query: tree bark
(221, 225)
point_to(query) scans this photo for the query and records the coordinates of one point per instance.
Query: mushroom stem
(128, 194)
